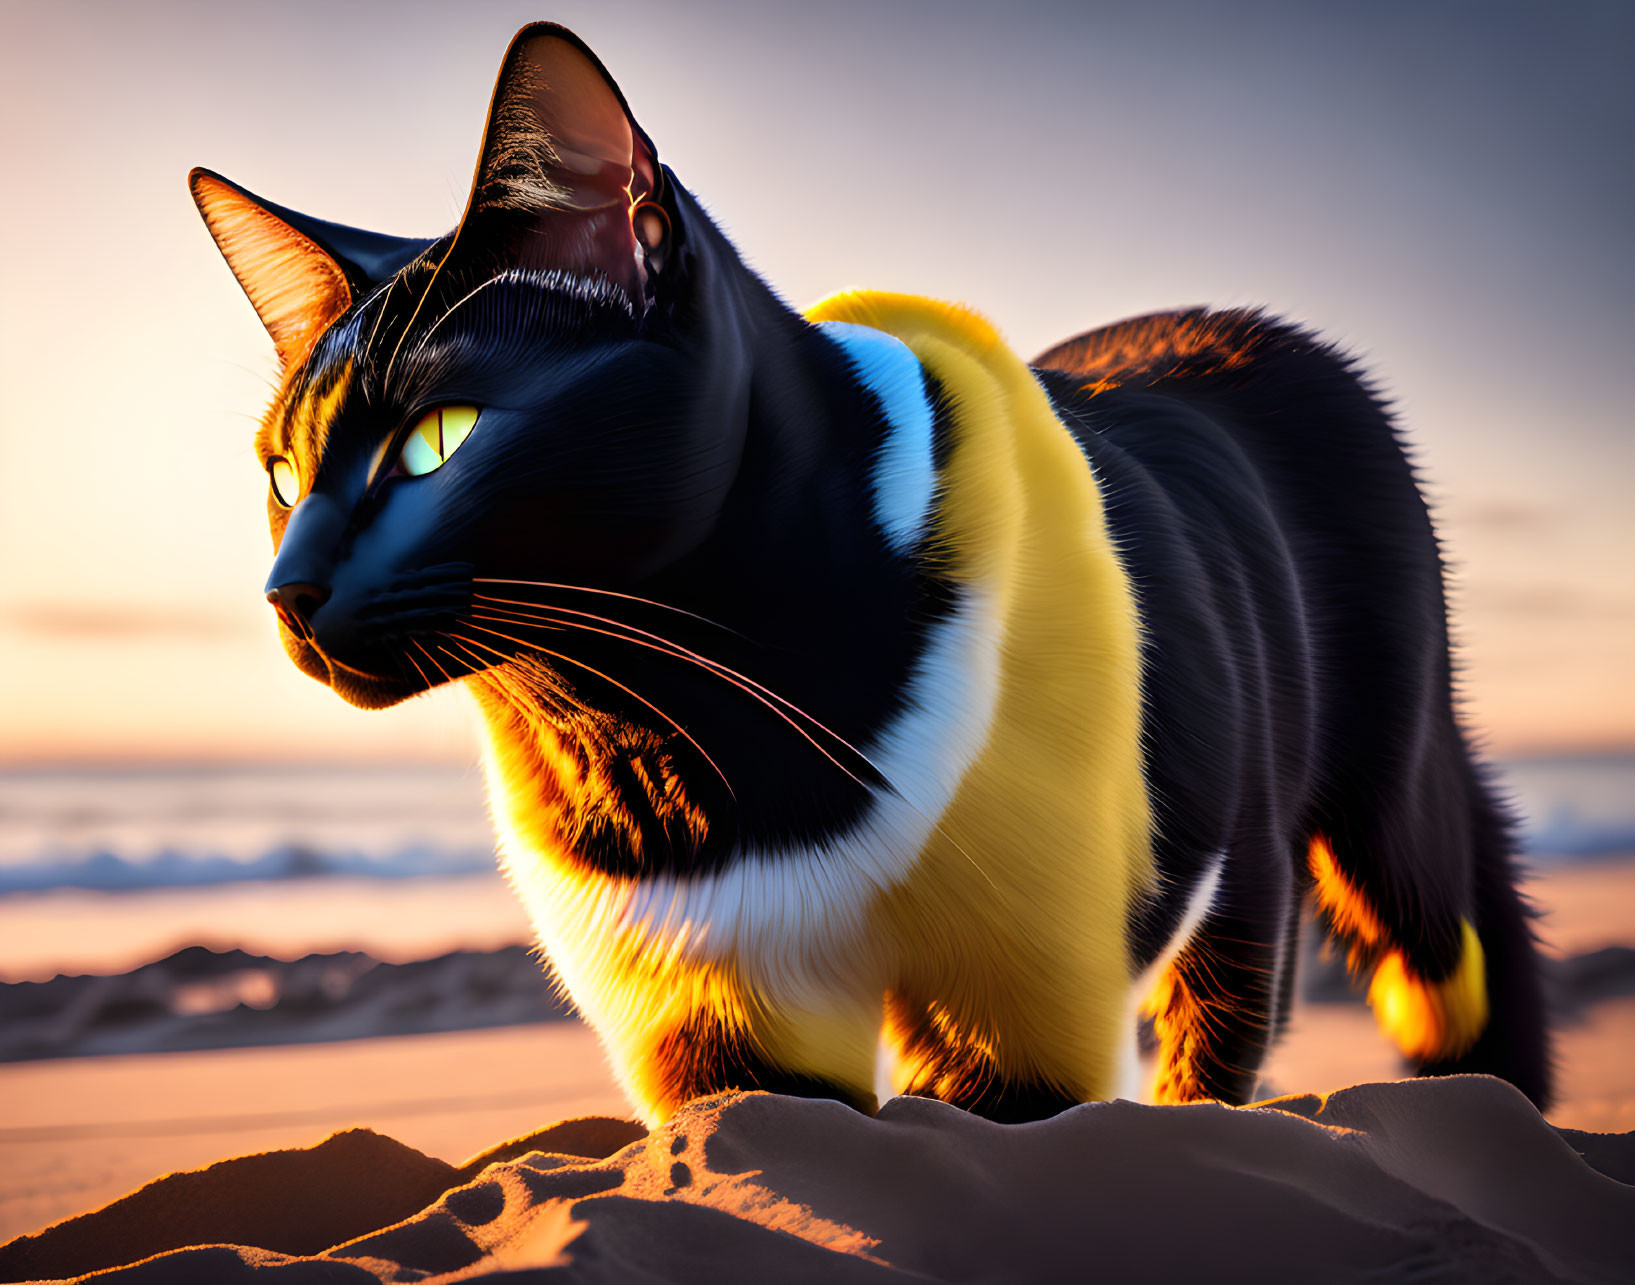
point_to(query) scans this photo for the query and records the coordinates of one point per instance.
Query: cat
(855, 690)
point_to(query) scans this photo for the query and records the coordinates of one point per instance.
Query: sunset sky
(1445, 189)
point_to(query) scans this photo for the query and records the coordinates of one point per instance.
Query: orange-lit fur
(1162, 346)
(1181, 1020)
(297, 289)
(1426, 1019)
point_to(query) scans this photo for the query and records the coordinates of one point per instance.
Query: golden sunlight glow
(436, 436)
(933, 1053)
(1161, 346)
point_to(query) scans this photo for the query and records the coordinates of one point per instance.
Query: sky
(1445, 189)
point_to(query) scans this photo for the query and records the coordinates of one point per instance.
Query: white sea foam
(117, 829)
(124, 829)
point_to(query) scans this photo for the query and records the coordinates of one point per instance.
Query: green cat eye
(286, 482)
(435, 436)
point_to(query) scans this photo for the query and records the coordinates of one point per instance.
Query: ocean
(101, 868)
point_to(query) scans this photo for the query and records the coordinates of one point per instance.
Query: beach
(77, 1132)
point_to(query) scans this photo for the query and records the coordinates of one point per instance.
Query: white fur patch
(904, 478)
(884, 1090)
(1130, 1075)
(771, 908)
(1200, 901)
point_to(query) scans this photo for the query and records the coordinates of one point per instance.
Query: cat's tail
(1460, 997)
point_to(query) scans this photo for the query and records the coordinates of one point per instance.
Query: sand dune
(200, 998)
(1443, 1180)
(77, 1133)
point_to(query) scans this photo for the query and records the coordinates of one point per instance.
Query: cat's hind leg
(1216, 1007)
(1422, 894)
(1514, 1043)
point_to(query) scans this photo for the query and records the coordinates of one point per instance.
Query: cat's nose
(295, 602)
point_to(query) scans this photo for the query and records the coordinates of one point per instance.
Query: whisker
(741, 680)
(449, 312)
(725, 671)
(409, 656)
(447, 677)
(548, 623)
(720, 673)
(605, 593)
(385, 299)
(420, 303)
(750, 687)
(606, 679)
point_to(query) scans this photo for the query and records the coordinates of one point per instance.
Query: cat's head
(518, 399)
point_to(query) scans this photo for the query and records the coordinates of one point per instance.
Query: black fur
(1296, 669)
(727, 475)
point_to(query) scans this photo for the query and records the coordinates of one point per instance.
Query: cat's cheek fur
(368, 693)
(305, 657)
(355, 689)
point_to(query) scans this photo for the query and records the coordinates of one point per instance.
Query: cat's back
(1236, 411)
(1272, 526)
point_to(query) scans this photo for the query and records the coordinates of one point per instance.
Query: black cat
(844, 677)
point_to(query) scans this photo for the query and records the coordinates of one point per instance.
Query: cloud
(78, 622)
(1544, 602)
(1505, 517)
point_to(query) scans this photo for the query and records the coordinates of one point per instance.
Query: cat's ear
(301, 273)
(297, 288)
(563, 159)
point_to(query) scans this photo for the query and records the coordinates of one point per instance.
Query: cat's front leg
(705, 1028)
(803, 1054)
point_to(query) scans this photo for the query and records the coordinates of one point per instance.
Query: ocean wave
(105, 871)
(122, 830)
(1561, 837)
(1567, 836)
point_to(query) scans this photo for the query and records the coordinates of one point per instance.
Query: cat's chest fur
(993, 789)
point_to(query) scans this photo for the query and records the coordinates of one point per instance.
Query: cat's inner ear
(562, 157)
(297, 289)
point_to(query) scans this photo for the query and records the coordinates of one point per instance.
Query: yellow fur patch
(1428, 1021)
(1011, 930)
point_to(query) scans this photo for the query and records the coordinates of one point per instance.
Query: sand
(75, 1134)
(1433, 1180)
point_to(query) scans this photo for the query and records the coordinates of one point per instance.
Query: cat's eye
(436, 435)
(286, 482)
